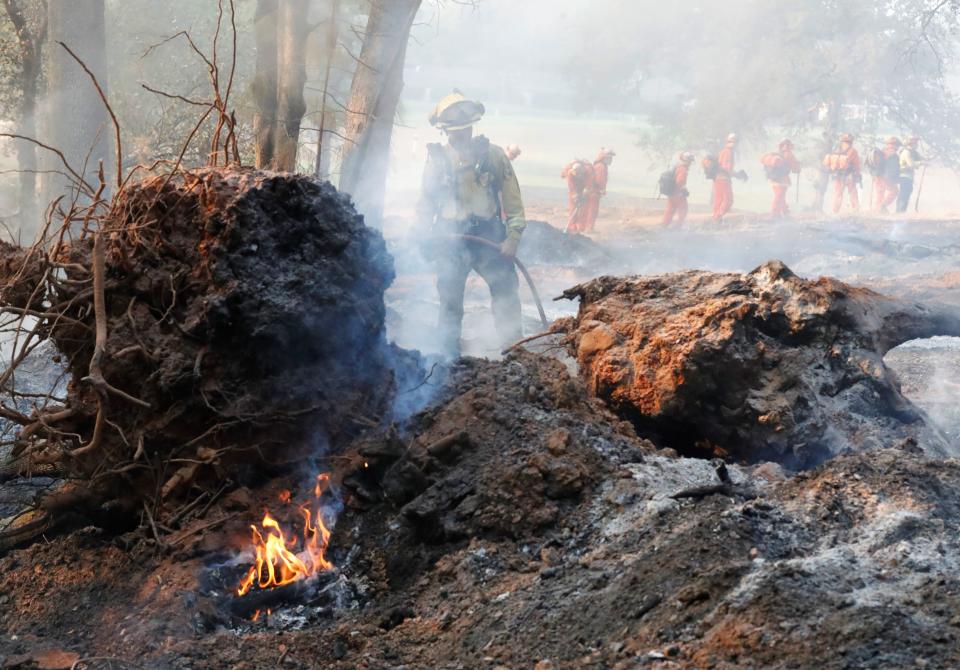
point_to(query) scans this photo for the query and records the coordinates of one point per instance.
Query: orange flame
(275, 563)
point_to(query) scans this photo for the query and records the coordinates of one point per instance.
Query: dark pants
(906, 189)
(455, 260)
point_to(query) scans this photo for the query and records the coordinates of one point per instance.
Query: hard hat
(893, 140)
(846, 137)
(685, 157)
(456, 112)
(605, 153)
(732, 137)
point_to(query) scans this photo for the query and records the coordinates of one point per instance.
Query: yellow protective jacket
(910, 160)
(479, 182)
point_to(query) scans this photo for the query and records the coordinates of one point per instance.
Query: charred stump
(763, 365)
(219, 321)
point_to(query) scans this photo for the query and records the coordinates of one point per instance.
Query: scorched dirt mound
(518, 524)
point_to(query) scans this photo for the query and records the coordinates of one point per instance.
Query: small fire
(277, 563)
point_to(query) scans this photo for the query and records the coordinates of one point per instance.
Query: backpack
(580, 169)
(837, 161)
(668, 182)
(711, 167)
(775, 166)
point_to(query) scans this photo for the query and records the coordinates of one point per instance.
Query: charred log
(764, 365)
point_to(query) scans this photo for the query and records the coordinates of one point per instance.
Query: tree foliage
(753, 66)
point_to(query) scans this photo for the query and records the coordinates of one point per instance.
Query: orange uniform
(779, 166)
(889, 176)
(722, 187)
(597, 190)
(879, 192)
(677, 203)
(579, 176)
(847, 177)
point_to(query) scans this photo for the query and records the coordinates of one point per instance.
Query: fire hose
(516, 261)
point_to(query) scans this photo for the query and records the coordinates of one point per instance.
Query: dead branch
(63, 159)
(106, 103)
(176, 96)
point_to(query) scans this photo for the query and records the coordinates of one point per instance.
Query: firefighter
(579, 176)
(890, 174)
(678, 193)
(910, 159)
(875, 167)
(845, 171)
(722, 188)
(513, 151)
(598, 186)
(470, 188)
(778, 167)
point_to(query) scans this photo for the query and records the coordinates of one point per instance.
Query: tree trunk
(374, 95)
(292, 39)
(30, 41)
(321, 168)
(76, 120)
(264, 87)
(27, 158)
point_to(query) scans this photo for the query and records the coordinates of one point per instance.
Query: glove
(685, 193)
(509, 246)
(742, 175)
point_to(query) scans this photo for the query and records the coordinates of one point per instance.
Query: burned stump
(218, 321)
(763, 365)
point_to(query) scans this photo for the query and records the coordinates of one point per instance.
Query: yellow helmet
(455, 112)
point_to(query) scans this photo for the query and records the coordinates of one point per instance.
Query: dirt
(519, 522)
(550, 534)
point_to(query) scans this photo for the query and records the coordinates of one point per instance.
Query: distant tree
(75, 119)
(264, 86)
(160, 86)
(371, 109)
(752, 66)
(281, 30)
(20, 88)
(293, 31)
(321, 168)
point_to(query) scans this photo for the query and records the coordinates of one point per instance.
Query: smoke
(928, 370)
